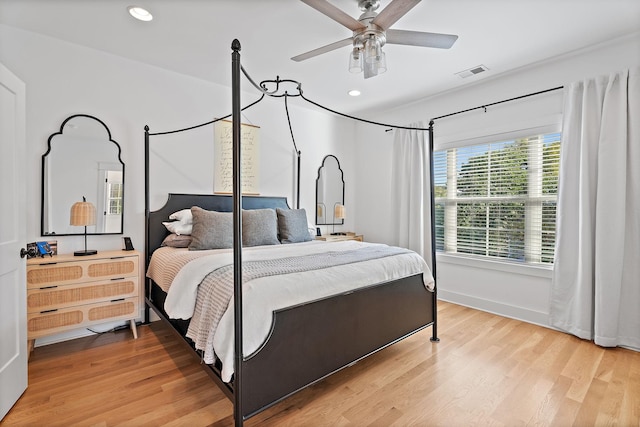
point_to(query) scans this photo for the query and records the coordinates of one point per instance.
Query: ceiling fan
(371, 32)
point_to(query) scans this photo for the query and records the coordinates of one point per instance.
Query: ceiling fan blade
(334, 13)
(394, 11)
(418, 38)
(323, 49)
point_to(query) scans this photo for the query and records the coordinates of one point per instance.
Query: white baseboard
(78, 333)
(506, 310)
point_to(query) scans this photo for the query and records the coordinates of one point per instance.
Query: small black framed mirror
(82, 160)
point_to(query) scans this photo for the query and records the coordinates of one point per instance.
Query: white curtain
(410, 202)
(596, 279)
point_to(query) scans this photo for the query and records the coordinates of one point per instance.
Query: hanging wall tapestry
(250, 157)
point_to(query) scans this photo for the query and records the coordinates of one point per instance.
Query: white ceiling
(194, 37)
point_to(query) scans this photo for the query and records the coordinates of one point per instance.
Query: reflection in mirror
(329, 191)
(82, 161)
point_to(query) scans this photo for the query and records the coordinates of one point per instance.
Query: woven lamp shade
(339, 211)
(83, 213)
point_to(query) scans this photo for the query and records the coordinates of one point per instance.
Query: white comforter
(264, 295)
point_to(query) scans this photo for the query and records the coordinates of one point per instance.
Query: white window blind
(498, 199)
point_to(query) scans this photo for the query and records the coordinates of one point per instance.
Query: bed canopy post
(434, 328)
(147, 209)
(238, 413)
(298, 182)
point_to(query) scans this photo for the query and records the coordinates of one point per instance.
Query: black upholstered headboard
(156, 232)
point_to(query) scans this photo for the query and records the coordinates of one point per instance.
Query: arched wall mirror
(329, 191)
(82, 161)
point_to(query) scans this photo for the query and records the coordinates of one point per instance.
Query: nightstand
(341, 238)
(66, 292)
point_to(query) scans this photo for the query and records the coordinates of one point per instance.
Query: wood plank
(487, 370)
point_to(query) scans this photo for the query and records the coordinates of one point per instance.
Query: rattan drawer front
(58, 320)
(56, 272)
(47, 323)
(85, 293)
(113, 310)
(113, 268)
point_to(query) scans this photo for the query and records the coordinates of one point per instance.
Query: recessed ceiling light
(140, 13)
(354, 92)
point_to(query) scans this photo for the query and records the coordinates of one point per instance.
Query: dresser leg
(30, 345)
(134, 329)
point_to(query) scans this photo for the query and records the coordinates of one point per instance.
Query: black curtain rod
(496, 103)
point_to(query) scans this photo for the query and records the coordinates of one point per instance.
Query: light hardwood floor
(487, 370)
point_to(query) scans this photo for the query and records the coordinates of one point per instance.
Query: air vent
(472, 71)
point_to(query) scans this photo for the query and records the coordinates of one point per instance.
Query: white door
(13, 232)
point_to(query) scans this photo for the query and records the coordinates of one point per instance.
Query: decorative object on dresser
(83, 214)
(349, 235)
(65, 292)
(338, 213)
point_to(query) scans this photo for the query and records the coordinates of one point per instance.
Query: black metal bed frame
(296, 354)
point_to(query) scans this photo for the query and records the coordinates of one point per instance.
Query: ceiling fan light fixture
(381, 63)
(372, 49)
(355, 60)
(371, 32)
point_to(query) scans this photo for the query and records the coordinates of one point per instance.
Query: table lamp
(83, 214)
(338, 213)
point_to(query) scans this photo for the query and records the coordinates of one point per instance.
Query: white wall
(63, 79)
(514, 292)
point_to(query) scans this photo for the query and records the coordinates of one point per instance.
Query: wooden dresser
(67, 292)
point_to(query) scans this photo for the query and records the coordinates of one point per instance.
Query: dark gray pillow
(292, 225)
(177, 241)
(211, 229)
(259, 227)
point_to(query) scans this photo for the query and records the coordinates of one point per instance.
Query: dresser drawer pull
(48, 263)
(49, 287)
(117, 257)
(122, 299)
(117, 278)
(55, 309)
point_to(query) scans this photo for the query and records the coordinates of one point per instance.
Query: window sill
(544, 271)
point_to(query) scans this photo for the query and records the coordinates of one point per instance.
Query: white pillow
(178, 227)
(184, 216)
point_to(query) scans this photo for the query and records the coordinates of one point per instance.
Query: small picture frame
(32, 250)
(53, 245)
(44, 249)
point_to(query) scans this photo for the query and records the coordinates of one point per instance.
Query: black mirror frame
(44, 156)
(343, 184)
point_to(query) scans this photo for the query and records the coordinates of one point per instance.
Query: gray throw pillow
(177, 241)
(292, 225)
(259, 227)
(211, 229)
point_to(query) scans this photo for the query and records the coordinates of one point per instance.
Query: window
(498, 200)
(114, 198)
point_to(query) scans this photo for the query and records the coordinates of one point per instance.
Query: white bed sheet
(264, 295)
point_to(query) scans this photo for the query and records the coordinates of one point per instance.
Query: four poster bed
(362, 297)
